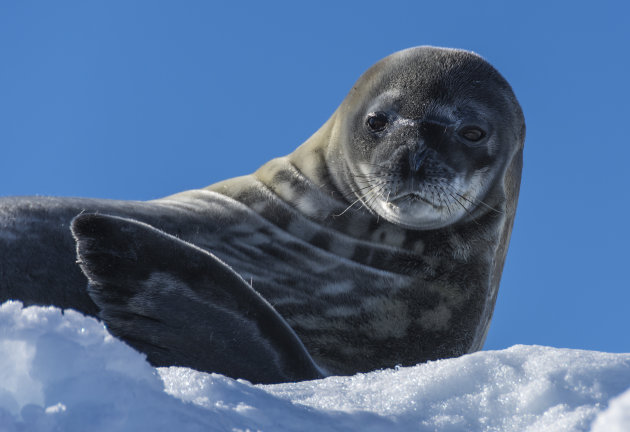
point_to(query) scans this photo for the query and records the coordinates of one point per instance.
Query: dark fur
(138, 276)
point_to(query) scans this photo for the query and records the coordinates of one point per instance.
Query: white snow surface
(64, 371)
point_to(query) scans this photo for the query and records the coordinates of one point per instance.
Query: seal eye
(377, 121)
(472, 133)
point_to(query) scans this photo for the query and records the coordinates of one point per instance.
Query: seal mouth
(410, 198)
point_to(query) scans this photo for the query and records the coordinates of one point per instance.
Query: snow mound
(617, 417)
(64, 371)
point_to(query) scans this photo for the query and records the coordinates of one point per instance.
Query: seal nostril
(417, 158)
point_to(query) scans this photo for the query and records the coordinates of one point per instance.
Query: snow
(617, 417)
(64, 371)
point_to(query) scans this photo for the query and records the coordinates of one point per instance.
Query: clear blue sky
(141, 99)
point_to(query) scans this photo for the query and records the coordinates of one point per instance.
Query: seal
(378, 242)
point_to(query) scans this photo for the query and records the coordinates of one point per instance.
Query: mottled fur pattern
(364, 280)
(373, 295)
(137, 285)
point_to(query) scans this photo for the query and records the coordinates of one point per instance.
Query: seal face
(424, 172)
(424, 151)
(379, 241)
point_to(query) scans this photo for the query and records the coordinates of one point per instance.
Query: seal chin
(413, 211)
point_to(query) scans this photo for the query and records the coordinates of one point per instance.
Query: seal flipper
(182, 306)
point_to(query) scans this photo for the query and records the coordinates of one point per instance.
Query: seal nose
(417, 157)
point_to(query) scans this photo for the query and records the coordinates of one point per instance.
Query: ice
(64, 371)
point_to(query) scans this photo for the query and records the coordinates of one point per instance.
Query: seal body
(380, 241)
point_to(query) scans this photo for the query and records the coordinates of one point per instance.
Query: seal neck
(312, 160)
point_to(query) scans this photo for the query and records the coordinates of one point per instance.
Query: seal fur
(380, 241)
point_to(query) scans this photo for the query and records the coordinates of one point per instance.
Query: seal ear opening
(182, 306)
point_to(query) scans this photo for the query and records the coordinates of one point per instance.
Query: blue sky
(141, 99)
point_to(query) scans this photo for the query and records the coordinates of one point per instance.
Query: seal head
(425, 134)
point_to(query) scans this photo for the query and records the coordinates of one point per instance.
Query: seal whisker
(376, 192)
(474, 201)
(464, 207)
(359, 199)
(445, 202)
